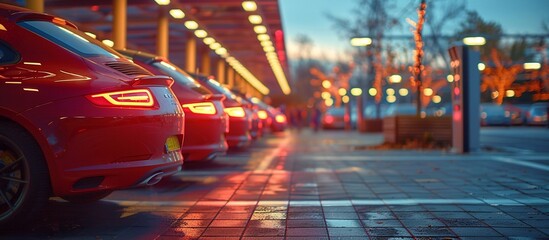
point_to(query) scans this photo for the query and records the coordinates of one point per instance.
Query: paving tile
(199, 215)
(388, 232)
(340, 215)
(264, 232)
(268, 216)
(346, 232)
(537, 223)
(192, 223)
(408, 223)
(307, 238)
(375, 223)
(376, 215)
(431, 232)
(464, 222)
(223, 232)
(233, 215)
(228, 223)
(184, 232)
(452, 215)
(505, 223)
(306, 215)
(413, 215)
(306, 232)
(267, 223)
(521, 232)
(492, 215)
(293, 209)
(337, 223)
(296, 223)
(262, 238)
(349, 209)
(475, 232)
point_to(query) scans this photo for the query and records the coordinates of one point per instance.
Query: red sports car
(272, 118)
(77, 120)
(205, 119)
(240, 121)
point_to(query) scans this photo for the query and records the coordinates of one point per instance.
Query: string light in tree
(416, 70)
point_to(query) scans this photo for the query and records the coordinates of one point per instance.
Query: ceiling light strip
(268, 48)
(218, 48)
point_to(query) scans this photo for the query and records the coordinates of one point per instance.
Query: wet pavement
(324, 185)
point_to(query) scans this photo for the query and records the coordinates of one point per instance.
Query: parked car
(537, 114)
(240, 121)
(205, 119)
(408, 109)
(252, 109)
(272, 118)
(518, 114)
(494, 114)
(334, 118)
(77, 120)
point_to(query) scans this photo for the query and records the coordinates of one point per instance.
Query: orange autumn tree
(434, 81)
(499, 77)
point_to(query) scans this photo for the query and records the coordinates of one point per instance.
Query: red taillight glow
(329, 119)
(201, 108)
(235, 112)
(280, 118)
(262, 114)
(129, 98)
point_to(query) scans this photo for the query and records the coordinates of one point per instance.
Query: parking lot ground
(323, 185)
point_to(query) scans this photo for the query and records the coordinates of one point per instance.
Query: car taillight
(201, 108)
(280, 118)
(235, 112)
(329, 119)
(262, 114)
(129, 98)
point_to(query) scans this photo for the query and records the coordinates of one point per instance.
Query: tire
(85, 198)
(24, 178)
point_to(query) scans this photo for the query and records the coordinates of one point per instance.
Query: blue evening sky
(308, 17)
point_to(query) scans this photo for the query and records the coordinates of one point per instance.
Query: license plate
(172, 144)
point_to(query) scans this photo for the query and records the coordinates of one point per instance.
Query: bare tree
(373, 18)
(500, 77)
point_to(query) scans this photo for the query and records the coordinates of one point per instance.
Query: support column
(231, 77)
(190, 54)
(119, 23)
(162, 36)
(205, 66)
(221, 71)
(36, 5)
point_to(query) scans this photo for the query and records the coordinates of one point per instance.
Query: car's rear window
(69, 38)
(180, 76)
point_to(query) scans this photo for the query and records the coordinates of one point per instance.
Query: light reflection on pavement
(302, 184)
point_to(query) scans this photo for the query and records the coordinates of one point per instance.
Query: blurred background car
(252, 109)
(407, 109)
(518, 114)
(240, 122)
(77, 120)
(334, 118)
(273, 119)
(494, 114)
(205, 119)
(537, 114)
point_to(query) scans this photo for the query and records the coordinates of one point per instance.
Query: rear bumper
(204, 136)
(239, 133)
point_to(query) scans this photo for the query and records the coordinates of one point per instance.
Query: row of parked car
(79, 120)
(490, 114)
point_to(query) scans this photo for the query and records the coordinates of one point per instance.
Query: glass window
(180, 76)
(69, 38)
(7, 55)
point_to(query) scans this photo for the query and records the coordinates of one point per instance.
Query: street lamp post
(357, 92)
